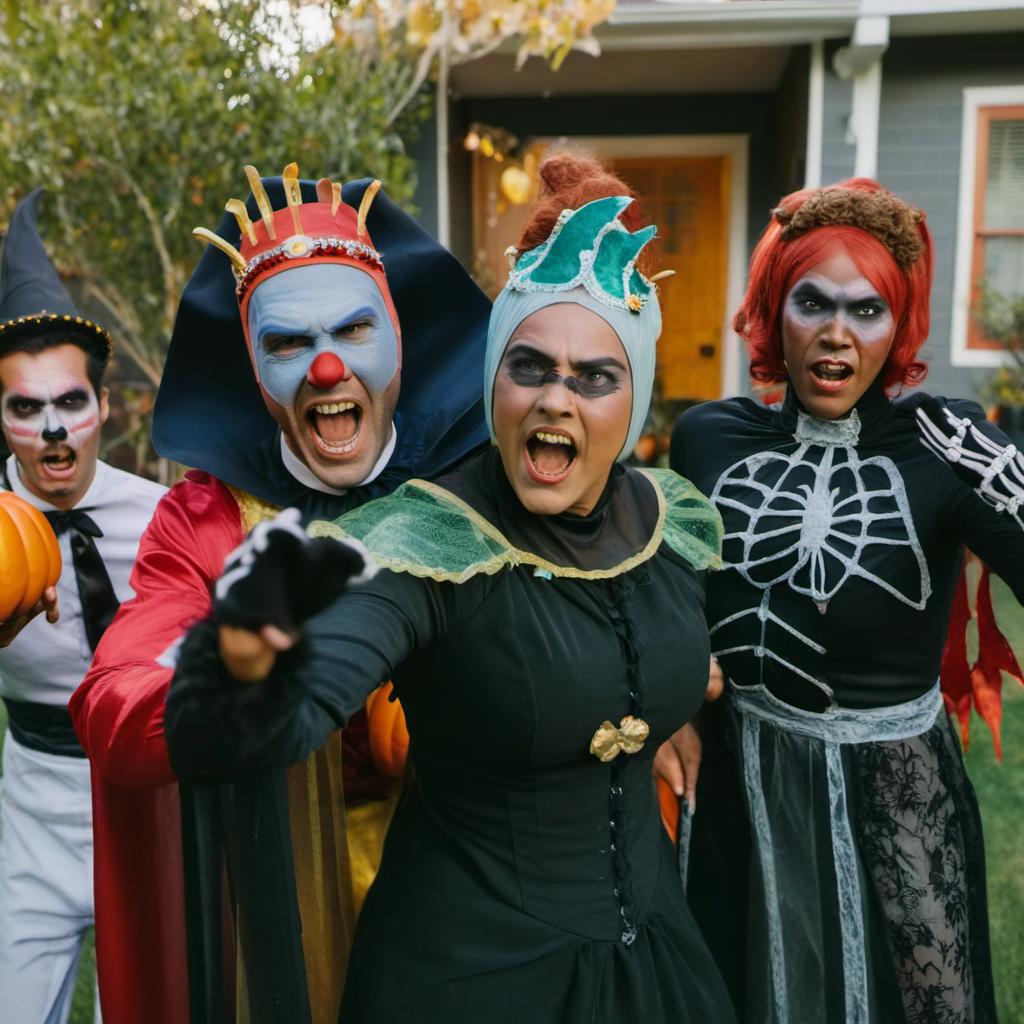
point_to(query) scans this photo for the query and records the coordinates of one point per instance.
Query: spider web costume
(837, 865)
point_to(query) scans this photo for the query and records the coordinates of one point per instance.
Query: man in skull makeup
(301, 373)
(837, 865)
(52, 406)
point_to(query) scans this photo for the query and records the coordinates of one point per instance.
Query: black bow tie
(99, 602)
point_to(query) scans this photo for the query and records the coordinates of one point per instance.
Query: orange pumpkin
(29, 556)
(389, 737)
(668, 803)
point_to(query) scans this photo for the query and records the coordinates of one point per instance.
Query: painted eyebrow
(520, 348)
(362, 313)
(583, 365)
(273, 331)
(74, 393)
(587, 365)
(810, 290)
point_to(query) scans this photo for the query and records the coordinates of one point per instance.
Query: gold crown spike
(364, 207)
(237, 207)
(324, 190)
(260, 194)
(237, 259)
(335, 197)
(293, 194)
(662, 275)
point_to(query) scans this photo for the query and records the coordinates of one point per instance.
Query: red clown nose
(326, 370)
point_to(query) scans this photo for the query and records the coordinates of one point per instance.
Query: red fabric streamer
(995, 656)
(980, 685)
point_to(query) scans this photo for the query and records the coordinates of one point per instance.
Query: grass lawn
(1001, 794)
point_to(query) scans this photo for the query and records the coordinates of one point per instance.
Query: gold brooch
(629, 737)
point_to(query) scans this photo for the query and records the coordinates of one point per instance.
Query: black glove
(279, 576)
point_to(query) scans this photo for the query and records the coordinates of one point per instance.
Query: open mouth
(334, 426)
(60, 462)
(831, 376)
(550, 455)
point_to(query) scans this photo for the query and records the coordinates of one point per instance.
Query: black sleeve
(996, 537)
(218, 728)
(682, 438)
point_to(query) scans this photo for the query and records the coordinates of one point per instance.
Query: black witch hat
(32, 295)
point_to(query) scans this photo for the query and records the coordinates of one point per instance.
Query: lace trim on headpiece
(588, 248)
(893, 222)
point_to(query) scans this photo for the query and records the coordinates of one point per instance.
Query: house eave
(699, 24)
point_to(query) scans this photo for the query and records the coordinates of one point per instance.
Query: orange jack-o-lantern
(389, 737)
(29, 556)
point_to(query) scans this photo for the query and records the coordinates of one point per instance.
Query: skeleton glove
(989, 464)
(279, 576)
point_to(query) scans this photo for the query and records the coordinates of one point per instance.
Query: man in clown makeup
(326, 350)
(52, 408)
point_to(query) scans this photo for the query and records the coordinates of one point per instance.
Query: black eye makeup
(21, 406)
(73, 399)
(812, 302)
(592, 379)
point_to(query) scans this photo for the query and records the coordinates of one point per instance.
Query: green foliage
(138, 117)
(1001, 319)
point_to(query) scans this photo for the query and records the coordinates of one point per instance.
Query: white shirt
(308, 478)
(46, 661)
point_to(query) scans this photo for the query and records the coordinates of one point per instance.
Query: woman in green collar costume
(540, 611)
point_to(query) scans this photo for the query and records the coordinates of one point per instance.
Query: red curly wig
(567, 182)
(778, 262)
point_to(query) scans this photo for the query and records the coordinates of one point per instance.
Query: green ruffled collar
(425, 530)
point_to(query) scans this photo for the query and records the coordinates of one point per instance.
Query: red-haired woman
(837, 865)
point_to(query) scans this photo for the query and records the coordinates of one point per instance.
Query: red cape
(118, 713)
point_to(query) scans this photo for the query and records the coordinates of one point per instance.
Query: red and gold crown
(326, 231)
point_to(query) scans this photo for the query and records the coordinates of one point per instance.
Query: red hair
(569, 181)
(777, 264)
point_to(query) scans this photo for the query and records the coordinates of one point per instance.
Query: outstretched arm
(118, 709)
(242, 702)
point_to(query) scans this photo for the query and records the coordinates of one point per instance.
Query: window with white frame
(990, 239)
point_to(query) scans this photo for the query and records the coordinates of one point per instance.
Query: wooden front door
(688, 198)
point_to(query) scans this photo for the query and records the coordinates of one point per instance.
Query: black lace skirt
(837, 867)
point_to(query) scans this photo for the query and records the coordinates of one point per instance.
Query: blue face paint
(299, 313)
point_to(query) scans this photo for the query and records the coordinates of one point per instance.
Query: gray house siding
(919, 158)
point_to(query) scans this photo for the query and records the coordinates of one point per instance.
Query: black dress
(833, 792)
(522, 877)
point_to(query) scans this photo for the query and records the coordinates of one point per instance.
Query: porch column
(815, 115)
(861, 62)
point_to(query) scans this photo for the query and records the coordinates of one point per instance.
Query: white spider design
(808, 518)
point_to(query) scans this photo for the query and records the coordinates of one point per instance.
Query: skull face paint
(326, 357)
(52, 419)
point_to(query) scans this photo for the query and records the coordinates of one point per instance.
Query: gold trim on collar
(509, 556)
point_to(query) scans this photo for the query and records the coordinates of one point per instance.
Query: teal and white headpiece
(588, 259)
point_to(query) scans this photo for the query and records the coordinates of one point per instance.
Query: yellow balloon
(516, 185)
